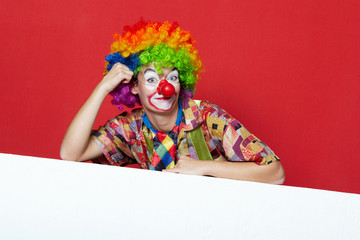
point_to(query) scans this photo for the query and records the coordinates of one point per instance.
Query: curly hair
(165, 44)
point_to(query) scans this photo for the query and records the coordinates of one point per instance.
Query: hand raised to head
(119, 73)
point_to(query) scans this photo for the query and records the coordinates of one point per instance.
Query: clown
(156, 66)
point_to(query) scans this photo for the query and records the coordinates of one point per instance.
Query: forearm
(77, 136)
(249, 171)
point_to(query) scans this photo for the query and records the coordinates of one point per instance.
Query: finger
(126, 80)
(125, 72)
(119, 67)
(119, 64)
(173, 170)
(130, 73)
(115, 66)
(122, 74)
(122, 66)
(127, 77)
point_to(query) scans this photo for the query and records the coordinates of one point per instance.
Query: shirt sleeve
(111, 139)
(237, 143)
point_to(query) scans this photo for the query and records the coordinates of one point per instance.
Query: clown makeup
(150, 95)
(173, 77)
(152, 79)
(146, 43)
(160, 102)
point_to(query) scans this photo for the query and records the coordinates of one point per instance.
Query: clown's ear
(134, 88)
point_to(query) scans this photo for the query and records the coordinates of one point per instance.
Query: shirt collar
(191, 113)
(178, 118)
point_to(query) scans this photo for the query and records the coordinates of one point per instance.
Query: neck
(164, 122)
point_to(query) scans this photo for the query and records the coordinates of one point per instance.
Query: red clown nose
(166, 89)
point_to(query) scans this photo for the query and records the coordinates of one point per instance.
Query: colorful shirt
(125, 138)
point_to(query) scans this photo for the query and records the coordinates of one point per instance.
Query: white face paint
(147, 88)
(159, 102)
(173, 77)
(152, 79)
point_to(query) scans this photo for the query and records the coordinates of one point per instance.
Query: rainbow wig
(165, 44)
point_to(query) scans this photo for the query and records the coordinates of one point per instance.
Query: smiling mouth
(162, 98)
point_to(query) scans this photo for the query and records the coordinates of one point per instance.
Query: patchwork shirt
(125, 138)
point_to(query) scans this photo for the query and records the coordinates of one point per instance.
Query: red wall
(288, 70)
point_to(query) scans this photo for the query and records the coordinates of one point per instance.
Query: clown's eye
(151, 77)
(173, 78)
(151, 80)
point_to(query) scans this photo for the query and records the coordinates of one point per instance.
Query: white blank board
(53, 199)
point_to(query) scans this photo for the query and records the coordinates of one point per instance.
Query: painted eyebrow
(149, 69)
(152, 70)
(173, 70)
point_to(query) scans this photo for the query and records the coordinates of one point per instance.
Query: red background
(288, 70)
